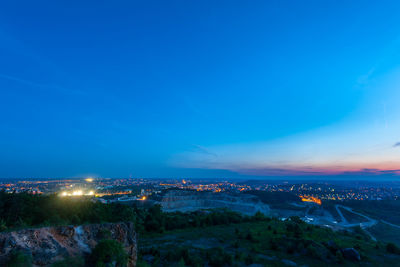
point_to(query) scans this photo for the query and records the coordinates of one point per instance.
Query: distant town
(110, 190)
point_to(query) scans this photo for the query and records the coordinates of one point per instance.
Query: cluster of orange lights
(115, 193)
(311, 199)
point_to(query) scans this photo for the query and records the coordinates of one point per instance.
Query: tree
(109, 251)
(154, 221)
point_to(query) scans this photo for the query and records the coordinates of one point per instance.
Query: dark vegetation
(108, 251)
(19, 259)
(265, 241)
(153, 220)
(26, 210)
(211, 237)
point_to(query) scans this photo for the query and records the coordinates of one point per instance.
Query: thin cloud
(397, 144)
(317, 172)
(370, 170)
(42, 86)
(388, 172)
(279, 172)
(203, 150)
(366, 78)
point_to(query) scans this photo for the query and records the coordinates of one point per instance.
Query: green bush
(69, 262)
(19, 259)
(217, 257)
(142, 263)
(109, 251)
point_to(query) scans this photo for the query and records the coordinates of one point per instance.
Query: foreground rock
(351, 254)
(181, 200)
(50, 244)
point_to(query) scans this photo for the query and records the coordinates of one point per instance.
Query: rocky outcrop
(181, 200)
(351, 254)
(50, 244)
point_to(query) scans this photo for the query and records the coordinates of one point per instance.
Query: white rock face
(48, 245)
(180, 200)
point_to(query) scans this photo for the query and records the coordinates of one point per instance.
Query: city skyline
(204, 90)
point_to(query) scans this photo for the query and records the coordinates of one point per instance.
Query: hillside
(213, 237)
(269, 242)
(387, 210)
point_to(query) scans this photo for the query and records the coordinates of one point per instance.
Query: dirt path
(391, 224)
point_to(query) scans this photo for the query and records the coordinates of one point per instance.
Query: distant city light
(311, 199)
(89, 180)
(77, 193)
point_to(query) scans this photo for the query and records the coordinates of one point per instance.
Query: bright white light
(77, 193)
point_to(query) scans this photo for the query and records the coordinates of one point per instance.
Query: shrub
(249, 236)
(142, 263)
(108, 251)
(3, 225)
(273, 244)
(239, 256)
(249, 259)
(19, 259)
(339, 256)
(68, 262)
(217, 257)
(392, 248)
(314, 252)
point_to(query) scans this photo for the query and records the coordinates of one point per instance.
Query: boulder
(289, 262)
(351, 254)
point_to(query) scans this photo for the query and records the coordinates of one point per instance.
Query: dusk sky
(200, 89)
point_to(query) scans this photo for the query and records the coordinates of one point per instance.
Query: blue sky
(199, 88)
